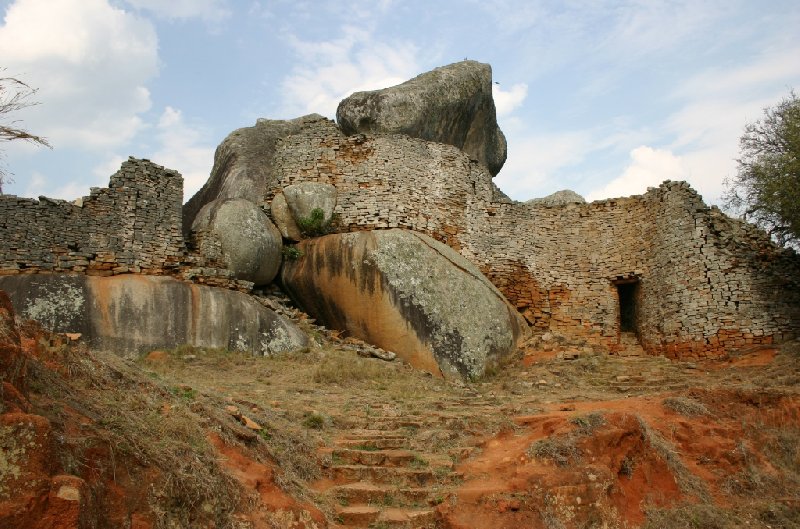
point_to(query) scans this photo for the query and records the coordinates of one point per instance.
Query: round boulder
(236, 234)
(306, 197)
(408, 293)
(559, 198)
(283, 218)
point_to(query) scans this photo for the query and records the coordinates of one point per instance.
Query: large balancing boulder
(130, 314)
(452, 104)
(243, 163)
(407, 293)
(239, 236)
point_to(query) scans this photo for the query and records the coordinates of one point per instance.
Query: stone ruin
(675, 275)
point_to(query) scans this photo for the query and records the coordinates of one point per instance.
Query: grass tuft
(686, 406)
(687, 482)
(344, 369)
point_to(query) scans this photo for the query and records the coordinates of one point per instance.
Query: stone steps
(373, 443)
(380, 481)
(392, 475)
(394, 464)
(365, 516)
(365, 492)
(388, 457)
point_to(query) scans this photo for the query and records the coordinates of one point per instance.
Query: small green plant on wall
(291, 253)
(315, 224)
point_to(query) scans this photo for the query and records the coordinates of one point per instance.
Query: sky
(604, 97)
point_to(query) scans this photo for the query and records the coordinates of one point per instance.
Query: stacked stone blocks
(707, 283)
(132, 226)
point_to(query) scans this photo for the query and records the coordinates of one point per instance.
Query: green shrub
(314, 421)
(315, 225)
(292, 253)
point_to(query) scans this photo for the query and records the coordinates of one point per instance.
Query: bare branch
(15, 95)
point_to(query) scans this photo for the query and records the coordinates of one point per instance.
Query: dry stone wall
(703, 282)
(391, 181)
(132, 226)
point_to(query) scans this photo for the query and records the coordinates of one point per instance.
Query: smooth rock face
(243, 164)
(406, 292)
(305, 197)
(283, 218)
(132, 314)
(452, 104)
(559, 198)
(237, 233)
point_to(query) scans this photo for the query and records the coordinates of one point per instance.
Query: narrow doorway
(628, 310)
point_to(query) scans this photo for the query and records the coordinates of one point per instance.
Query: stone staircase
(640, 374)
(392, 463)
(629, 345)
(384, 473)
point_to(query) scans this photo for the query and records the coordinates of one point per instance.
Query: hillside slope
(555, 439)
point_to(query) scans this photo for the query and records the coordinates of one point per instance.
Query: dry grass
(143, 424)
(563, 449)
(767, 515)
(687, 482)
(345, 369)
(587, 424)
(686, 406)
(699, 516)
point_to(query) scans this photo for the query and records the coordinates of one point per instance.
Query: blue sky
(603, 97)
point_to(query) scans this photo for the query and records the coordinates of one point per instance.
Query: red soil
(38, 492)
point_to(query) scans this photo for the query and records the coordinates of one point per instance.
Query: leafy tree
(766, 189)
(15, 95)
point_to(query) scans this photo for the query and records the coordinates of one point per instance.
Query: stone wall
(391, 181)
(132, 226)
(704, 282)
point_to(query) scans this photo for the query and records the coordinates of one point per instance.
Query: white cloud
(534, 159)
(38, 184)
(108, 167)
(648, 168)
(542, 162)
(208, 10)
(183, 147)
(771, 68)
(507, 101)
(716, 105)
(91, 63)
(177, 145)
(329, 71)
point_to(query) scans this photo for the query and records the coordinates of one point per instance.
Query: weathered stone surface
(405, 292)
(237, 233)
(283, 218)
(12, 362)
(131, 314)
(243, 164)
(559, 198)
(452, 104)
(305, 197)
